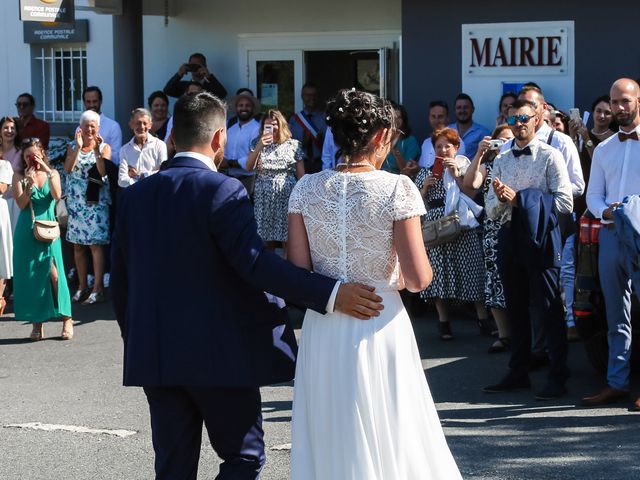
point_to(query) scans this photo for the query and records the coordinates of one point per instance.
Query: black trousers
(532, 291)
(234, 423)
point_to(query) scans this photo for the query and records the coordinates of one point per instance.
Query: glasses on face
(511, 120)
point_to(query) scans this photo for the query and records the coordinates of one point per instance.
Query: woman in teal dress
(40, 288)
(405, 150)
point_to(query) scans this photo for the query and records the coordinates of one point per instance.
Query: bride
(362, 408)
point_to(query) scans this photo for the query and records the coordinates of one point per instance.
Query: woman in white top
(362, 408)
(10, 151)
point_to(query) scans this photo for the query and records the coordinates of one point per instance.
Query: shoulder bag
(44, 230)
(440, 231)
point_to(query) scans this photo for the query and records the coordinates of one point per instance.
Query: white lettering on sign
(516, 48)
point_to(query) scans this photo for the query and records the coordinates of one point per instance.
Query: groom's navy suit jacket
(189, 273)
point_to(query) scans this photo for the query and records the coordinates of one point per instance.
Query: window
(62, 78)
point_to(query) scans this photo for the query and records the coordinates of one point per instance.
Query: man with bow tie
(529, 168)
(615, 174)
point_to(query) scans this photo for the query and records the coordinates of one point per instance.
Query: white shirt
(428, 153)
(146, 159)
(111, 132)
(169, 128)
(615, 173)
(239, 139)
(198, 156)
(329, 149)
(570, 154)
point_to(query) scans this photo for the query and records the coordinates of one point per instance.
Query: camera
(496, 144)
(193, 67)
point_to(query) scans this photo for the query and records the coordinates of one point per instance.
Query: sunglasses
(519, 118)
(30, 141)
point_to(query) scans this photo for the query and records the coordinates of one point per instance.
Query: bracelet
(49, 174)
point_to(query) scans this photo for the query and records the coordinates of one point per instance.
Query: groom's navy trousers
(189, 272)
(234, 424)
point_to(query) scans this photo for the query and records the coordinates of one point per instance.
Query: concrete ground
(511, 436)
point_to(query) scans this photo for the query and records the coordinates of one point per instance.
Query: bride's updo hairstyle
(355, 117)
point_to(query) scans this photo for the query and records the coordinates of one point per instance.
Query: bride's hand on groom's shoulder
(358, 300)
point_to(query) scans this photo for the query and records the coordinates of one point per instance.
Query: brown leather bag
(44, 230)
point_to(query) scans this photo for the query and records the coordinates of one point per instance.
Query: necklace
(350, 165)
(599, 134)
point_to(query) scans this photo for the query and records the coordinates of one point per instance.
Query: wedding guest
(88, 217)
(159, 105)
(278, 161)
(143, 154)
(40, 290)
(458, 268)
(438, 118)
(479, 175)
(560, 121)
(111, 131)
(29, 125)
(470, 132)
(405, 151)
(200, 74)
(506, 100)
(10, 151)
(6, 232)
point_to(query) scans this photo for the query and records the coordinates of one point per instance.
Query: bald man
(615, 173)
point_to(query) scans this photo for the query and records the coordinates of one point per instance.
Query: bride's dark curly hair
(355, 117)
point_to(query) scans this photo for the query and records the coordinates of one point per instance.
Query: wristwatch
(589, 143)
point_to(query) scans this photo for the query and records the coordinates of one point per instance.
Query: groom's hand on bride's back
(358, 300)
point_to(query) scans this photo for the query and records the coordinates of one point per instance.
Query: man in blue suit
(188, 277)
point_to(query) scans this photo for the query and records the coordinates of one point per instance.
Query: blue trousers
(615, 282)
(568, 277)
(234, 423)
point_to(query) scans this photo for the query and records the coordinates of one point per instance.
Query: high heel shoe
(3, 305)
(67, 329)
(444, 329)
(94, 297)
(79, 295)
(37, 334)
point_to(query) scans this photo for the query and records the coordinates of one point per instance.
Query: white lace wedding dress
(362, 409)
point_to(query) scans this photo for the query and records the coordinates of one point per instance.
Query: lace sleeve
(296, 199)
(407, 201)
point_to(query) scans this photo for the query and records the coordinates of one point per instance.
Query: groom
(188, 279)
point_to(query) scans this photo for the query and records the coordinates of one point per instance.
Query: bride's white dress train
(362, 409)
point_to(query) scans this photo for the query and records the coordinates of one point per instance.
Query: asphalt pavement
(64, 414)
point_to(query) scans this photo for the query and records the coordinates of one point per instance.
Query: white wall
(15, 74)
(213, 30)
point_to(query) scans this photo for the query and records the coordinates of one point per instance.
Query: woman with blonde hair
(40, 287)
(278, 161)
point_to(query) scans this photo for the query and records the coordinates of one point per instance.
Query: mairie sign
(47, 11)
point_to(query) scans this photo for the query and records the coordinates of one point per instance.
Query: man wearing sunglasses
(30, 126)
(530, 182)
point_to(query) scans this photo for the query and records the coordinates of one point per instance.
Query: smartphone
(31, 160)
(574, 114)
(268, 130)
(438, 167)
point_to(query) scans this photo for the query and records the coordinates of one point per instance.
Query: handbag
(44, 230)
(440, 231)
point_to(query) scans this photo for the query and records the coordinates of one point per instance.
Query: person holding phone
(458, 266)
(197, 67)
(278, 160)
(40, 290)
(88, 226)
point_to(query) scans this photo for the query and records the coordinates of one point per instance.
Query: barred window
(63, 77)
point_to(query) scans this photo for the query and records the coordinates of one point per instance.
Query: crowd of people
(461, 171)
(344, 191)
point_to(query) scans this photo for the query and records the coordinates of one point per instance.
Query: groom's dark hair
(196, 117)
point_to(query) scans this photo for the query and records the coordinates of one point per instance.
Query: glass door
(276, 78)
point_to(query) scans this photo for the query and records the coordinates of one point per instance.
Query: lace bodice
(349, 221)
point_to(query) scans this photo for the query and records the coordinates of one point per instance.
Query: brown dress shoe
(635, 407)
(605, 397)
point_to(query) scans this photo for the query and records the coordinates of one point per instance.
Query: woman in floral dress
(279, 162)
(88, 220)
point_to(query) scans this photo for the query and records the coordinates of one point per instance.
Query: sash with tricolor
(308, 126)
